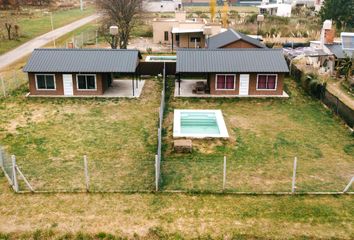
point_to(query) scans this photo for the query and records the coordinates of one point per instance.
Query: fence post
(14, 173)
(87, 177)
(3, 86)
(349, 185)
(224, 175)
(1, 159)
(293, 187)
(156, 173)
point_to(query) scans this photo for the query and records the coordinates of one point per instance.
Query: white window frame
(84, 90)
(276, 82)
(224, 89)
(45, 74)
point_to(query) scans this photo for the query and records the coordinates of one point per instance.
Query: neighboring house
(162, 6)
(255, 72)
(279, 9)
(182, 32)
(233, 39)
(82, 72)
(334, 49)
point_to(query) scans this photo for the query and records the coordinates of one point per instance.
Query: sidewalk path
(26, 48)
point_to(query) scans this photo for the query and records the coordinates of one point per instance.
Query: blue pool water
(199, 123)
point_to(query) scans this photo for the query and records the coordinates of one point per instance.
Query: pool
(199, 124)
(161, 58)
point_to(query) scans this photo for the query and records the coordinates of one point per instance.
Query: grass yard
(173, 216)
(50, 136)
(265, 136)
(31, 27)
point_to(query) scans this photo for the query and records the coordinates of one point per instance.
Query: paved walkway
(26, 48)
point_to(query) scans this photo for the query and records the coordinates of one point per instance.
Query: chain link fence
(81, 40)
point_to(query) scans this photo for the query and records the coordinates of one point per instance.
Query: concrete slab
(187, 86)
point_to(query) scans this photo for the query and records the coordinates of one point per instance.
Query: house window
(45, 82)
(225, 81)
(267, 82)
(177, 37)
(166, 35)
(86, 81)
(195, 39)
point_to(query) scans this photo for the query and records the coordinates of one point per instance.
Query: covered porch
(124, 88)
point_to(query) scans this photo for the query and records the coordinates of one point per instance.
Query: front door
(68, 84)
(244, 84)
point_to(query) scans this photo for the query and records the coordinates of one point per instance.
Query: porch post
(179, 84)
(172, 40)
(137, 81)
(133, 85)
(188, 39)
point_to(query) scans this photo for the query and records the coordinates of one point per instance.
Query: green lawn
(50, 136)
(173, 216)
(31, 27)
(265, 136)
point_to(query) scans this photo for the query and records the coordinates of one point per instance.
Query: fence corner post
(1, 159)
(349, 185)
(14, 174)
(293, 187)
(87, 177)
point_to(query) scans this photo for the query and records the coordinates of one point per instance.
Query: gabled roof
(83, 60)
(230, 36)
(245, 60)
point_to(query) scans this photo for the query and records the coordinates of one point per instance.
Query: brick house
(80, 72)
(248, 72)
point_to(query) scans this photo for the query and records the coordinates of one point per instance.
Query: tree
(212, 10)
(8, 21)
(122, 13)
(340, 11)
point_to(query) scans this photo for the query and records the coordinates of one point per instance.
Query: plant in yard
(346, 67)
(149, 50)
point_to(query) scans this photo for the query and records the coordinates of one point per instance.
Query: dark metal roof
(83, 60)
(338, 51)
(230, 36)
(246, 60)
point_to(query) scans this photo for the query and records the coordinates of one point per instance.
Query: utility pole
(52, 24)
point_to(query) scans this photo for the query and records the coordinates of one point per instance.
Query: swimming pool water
(199, 123)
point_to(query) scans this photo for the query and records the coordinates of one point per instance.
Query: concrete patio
(124, 88)
(187, 86)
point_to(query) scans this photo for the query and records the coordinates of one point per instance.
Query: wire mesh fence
(80, 40)
(6, 165)
(222, 174)
(12, 80)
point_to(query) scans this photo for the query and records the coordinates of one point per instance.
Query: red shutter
(271, 82)
(230, 82)
(262, 81)
(220, 82)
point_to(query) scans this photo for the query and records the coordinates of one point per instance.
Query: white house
(279, 9)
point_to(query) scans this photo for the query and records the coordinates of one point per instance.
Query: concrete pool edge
(219, 119)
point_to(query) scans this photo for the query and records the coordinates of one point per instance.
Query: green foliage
(251, 18)
(341, 11)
